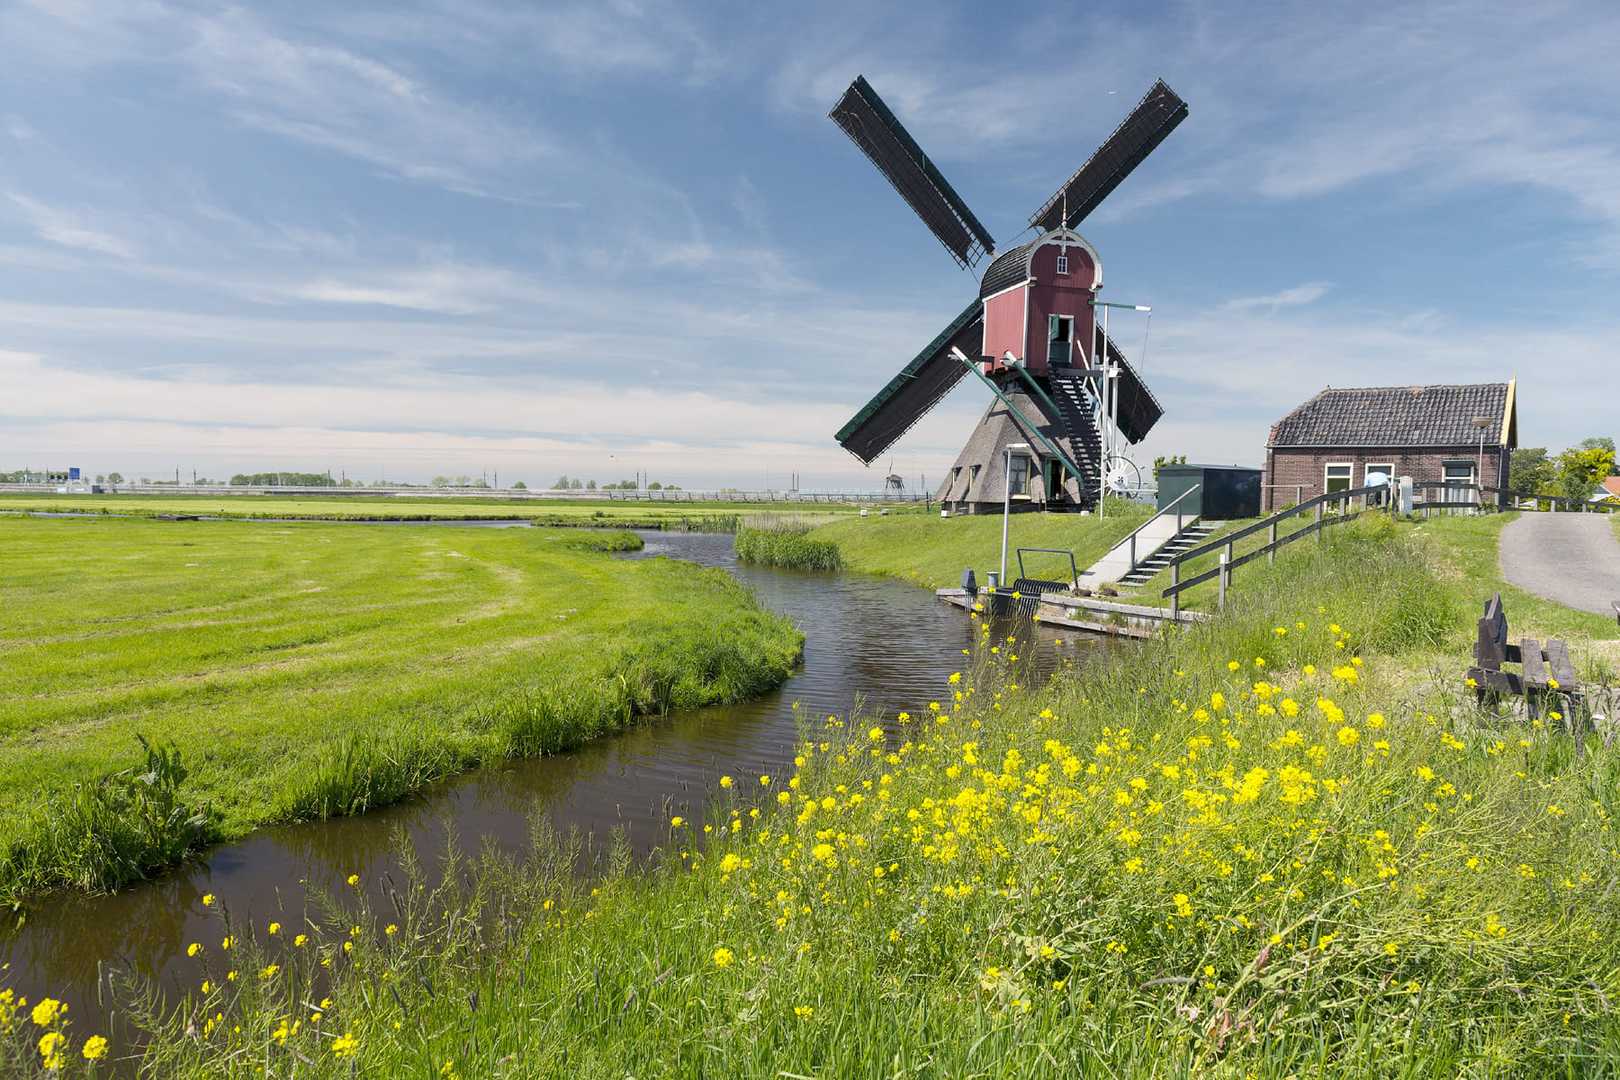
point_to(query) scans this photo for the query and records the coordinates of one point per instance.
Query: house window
(1375, 469)
(1337, 477)
(1063, 264)
(1018, 475)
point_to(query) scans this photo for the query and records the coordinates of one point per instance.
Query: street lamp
(1006, 501)
(1481, 424)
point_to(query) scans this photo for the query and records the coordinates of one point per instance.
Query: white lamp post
(1006, 501)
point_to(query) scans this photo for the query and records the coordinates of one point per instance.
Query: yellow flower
(723, 957)
(226, 942)
(48, 1011)
(1348, 736)
(764, 781)
(725, 781)
(193, 949)
(345, 1045)
(391, 929)
(269, 971)
(1233, 665)
(677, 821)
(208, 899)
(95, 1048)
(354, 881)
(51, 1045)
(876, 734)
(300, 941)
(804, 1012)
(275, 928)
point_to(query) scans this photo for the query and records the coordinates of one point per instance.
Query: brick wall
(1304, 469)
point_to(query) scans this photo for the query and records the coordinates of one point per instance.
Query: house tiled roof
(1611, 484)
(1399, 416)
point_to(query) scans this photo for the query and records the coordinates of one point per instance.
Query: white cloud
(67, 228)
(1308, 293)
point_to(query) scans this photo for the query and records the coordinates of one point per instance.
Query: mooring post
(1271, 555)
(1226, 573)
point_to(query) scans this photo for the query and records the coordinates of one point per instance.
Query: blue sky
(447, 237)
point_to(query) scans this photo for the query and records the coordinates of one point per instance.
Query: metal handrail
(1131, 539)
(1074, 567)
(1298, 508)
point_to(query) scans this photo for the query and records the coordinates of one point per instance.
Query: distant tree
(1580, 471)
(115, 478)
(672, 487)
(441, 481)
(561, 484)
(1531, 472)
(520, 486)
(1162, 460)
(576, 484)
(655, 486)
(1597, 442)
(590, 485)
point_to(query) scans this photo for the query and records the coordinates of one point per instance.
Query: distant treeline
(284, 479)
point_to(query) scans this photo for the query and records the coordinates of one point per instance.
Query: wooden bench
(1545, 670)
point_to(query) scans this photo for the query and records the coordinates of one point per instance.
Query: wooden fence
(1342, 503)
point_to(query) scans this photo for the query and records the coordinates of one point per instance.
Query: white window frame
(1019, 491)
(1063, 265)
(1387, 468)
(1349, 476)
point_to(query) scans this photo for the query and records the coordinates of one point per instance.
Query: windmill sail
(918, 387)
(881, 137)
(1154, 118)
(1137, 409)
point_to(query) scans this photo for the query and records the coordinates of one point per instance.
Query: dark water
(890, 646)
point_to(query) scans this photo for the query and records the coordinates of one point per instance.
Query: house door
(1054, 480)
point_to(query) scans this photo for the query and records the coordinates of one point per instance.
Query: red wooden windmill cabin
(1059, 387)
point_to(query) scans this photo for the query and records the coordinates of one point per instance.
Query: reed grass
(1265, 846)
(785, 541)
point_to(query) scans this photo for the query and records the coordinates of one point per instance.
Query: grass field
(933, 551)
(1269, 846)
(314, 669)
(623, 514)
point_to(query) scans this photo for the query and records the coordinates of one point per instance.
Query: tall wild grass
(784, 540)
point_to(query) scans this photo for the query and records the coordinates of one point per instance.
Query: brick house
(1430, 433)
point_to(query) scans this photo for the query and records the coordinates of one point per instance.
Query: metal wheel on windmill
(1058, 383)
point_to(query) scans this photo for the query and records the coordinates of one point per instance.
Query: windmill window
(1018, 475)
(1063, 264)
(973, 477)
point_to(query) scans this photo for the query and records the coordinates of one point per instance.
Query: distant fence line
(535, 494)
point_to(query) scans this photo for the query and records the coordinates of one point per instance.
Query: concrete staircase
(1190, 537)
(1154, 544)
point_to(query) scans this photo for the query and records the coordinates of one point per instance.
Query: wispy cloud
(1308, 293)
(67, 228)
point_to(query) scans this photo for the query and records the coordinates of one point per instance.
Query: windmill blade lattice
(1153, 119)
(885, 141)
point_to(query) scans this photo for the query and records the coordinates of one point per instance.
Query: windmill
(894, 485)
(1059, 384)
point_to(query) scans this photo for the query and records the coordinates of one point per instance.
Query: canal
(870, 643)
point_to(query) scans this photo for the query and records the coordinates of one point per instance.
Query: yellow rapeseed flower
(723, 957)
(345, 1045)
(275, 928)
(95, 1048)
(725, 781)
(354, 881)
(51, 1045)
(208, 899)
(48, 1011)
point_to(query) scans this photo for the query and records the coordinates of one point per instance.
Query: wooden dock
(1088, 614)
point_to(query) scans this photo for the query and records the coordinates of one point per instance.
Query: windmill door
(1059, 339)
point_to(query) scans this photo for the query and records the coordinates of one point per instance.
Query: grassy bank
(785, 541)
(310, 670)
(696, 515)
(933, 551)
(1263, 847)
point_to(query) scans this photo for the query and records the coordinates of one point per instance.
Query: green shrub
(785, 542)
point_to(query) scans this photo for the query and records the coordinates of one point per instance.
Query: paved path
(1571, 558)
